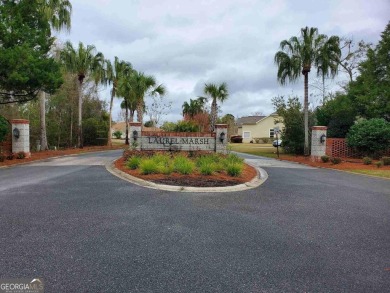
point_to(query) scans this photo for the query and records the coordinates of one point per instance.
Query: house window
(271, 133)
(246, 134)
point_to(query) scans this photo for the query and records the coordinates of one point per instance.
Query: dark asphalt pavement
(82, 229)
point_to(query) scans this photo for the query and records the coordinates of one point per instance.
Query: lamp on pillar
(16, 132)
(222, 136)
(135, 135)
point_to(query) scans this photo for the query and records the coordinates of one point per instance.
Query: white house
(255, 127)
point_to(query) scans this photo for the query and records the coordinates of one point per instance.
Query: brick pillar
(135, 143)
(21, 143)
(221, 146)
(318, 147)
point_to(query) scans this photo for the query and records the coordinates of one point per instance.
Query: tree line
(65, 77)
(365, 96)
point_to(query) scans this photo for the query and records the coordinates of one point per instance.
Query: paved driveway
(84, 230)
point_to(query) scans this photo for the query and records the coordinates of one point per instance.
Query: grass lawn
(379, 173)
(265, 150)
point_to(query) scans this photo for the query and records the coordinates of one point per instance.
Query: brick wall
(337, 147)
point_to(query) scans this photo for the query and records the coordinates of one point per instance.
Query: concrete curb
(262, 176)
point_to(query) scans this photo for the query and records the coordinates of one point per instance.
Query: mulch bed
(193, 180)
(346, 164)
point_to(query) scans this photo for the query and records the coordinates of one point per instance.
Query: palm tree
(83, 62)
(194, 107)
(216, 92)
(58, 14)
(126, 89)
(114, 71)
(297, 55)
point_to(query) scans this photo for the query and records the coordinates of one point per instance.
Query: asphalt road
(82, 229)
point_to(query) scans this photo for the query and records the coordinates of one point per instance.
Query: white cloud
(187, 43)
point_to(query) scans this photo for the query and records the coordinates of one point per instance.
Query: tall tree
(26, 66)
(217, 93)
(113, 73)
(84, 62)
(371, 90)
(143, 85)
(126, 89)
(58, 14)
(299, 54)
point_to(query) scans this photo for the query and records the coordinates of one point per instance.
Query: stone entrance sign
(181, 141)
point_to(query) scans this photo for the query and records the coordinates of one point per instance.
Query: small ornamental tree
(4, 128)
(371, 137)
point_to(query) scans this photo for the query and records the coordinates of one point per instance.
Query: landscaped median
(187, 171)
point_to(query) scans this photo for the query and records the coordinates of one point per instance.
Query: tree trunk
(127, 123)
(109, 140)
(131, 116)
(306, 113)
(213, 115)
(140, 111)
(80, 124)
(42, 103)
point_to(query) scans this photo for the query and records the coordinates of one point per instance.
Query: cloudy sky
(186, 44)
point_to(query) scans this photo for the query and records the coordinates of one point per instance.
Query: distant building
(257, 127)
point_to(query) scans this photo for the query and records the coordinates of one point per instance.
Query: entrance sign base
(178, 141)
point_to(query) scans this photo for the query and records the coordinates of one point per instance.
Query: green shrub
(160, 158)
(20, 155)
(234, 169)
(133, 163)
(204, 160)
(335, 160)
(2, 158)
(367, 161)
(325, 159)
(206, 169)
(4, 128)
(117, 134)
(11, 156)
(379, 164)
(183, 165)
(186, 126)
(165, 169)
(386, 161)
(148, 166)
(233, 158)
(371, 137)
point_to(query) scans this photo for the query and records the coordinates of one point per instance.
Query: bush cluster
(335, 160)
(325, 159)
(184, 163)
(386, 161)
(367, 161)
(20, 155)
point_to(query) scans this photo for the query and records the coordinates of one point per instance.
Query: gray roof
(248, 120)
